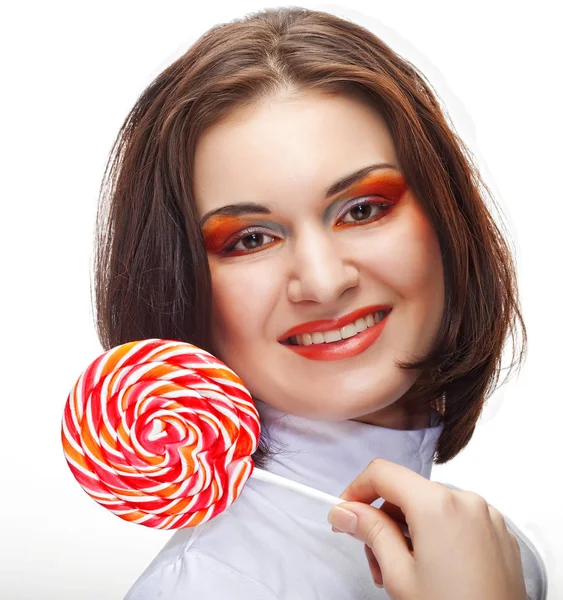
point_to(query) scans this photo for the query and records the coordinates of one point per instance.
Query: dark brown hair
(151, 273)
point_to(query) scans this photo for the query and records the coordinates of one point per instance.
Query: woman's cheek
(240, 290)
(408, 255)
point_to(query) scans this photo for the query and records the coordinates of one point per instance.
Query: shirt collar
(328, 455)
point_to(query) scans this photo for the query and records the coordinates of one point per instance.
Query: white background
(70, 73)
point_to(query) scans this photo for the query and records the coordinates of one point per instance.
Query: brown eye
(247, 242)
(252, 241)
(361, 212)
(365, 212)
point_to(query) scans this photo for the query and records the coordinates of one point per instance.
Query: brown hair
(151, 273)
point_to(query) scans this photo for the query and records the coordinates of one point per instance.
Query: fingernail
(378, 585)
(343, 519)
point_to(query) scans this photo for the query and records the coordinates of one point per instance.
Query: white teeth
(348, 331)
(306, 339)
(332, 336)
(318, 338)
(360, 324)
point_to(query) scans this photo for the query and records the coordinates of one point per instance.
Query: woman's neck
(396, 417)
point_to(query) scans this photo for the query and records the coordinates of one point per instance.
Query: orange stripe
(74, 455)
(160, 369)
(220, 373)
(105, 434)
(179, 508)
(116, 355)
(197, 518)
(90, 443)
(134, 516)
(242, 474)
(170, 490)
(165, 522)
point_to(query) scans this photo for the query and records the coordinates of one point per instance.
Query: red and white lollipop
(161, 433)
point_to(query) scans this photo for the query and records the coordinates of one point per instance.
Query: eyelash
(384, 205)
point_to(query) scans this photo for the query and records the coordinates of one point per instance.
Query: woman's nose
(320, 273)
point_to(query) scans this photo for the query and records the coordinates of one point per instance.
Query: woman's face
(286, 251)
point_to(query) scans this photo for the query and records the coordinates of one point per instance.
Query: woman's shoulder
(197, 575)
(535, 573)
(248, 551)
(221, 558)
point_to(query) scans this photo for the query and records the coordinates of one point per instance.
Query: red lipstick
(329, 324)
(343, 348)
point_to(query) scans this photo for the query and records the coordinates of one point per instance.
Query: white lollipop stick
(293, 485)
(310, 492)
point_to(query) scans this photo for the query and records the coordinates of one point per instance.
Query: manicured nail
(343, 519)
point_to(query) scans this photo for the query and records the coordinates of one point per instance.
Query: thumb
(378, 531)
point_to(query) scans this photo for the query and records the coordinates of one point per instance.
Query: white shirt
(275, 544)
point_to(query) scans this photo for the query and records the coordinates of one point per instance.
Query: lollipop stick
(293, 485)
(310, 492)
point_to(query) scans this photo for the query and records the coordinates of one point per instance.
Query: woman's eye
(249, 242)
(364, 211)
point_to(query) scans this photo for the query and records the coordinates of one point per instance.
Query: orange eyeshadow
(391, 186)
(217, 231)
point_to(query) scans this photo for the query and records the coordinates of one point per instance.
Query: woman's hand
(460, 548)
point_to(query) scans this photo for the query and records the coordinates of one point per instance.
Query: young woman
(289, 196)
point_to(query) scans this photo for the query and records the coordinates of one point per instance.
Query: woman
(289, 196)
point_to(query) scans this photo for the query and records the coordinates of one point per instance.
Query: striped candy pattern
(161, 433)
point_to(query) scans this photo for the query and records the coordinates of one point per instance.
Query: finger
(382, 534)
(397, 515)
(393, 511)
(374, 567)
(393, 482)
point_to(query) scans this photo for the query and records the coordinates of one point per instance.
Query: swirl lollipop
(161, 433)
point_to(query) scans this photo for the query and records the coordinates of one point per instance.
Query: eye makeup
(390, 184)
(388, 187)
(221, 232)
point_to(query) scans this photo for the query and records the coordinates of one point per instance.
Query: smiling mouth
(337, 335)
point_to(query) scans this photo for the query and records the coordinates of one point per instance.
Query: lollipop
(161, 433)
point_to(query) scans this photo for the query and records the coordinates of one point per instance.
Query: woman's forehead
(281, 148)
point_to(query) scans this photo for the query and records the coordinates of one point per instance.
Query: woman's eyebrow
(236, 210)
